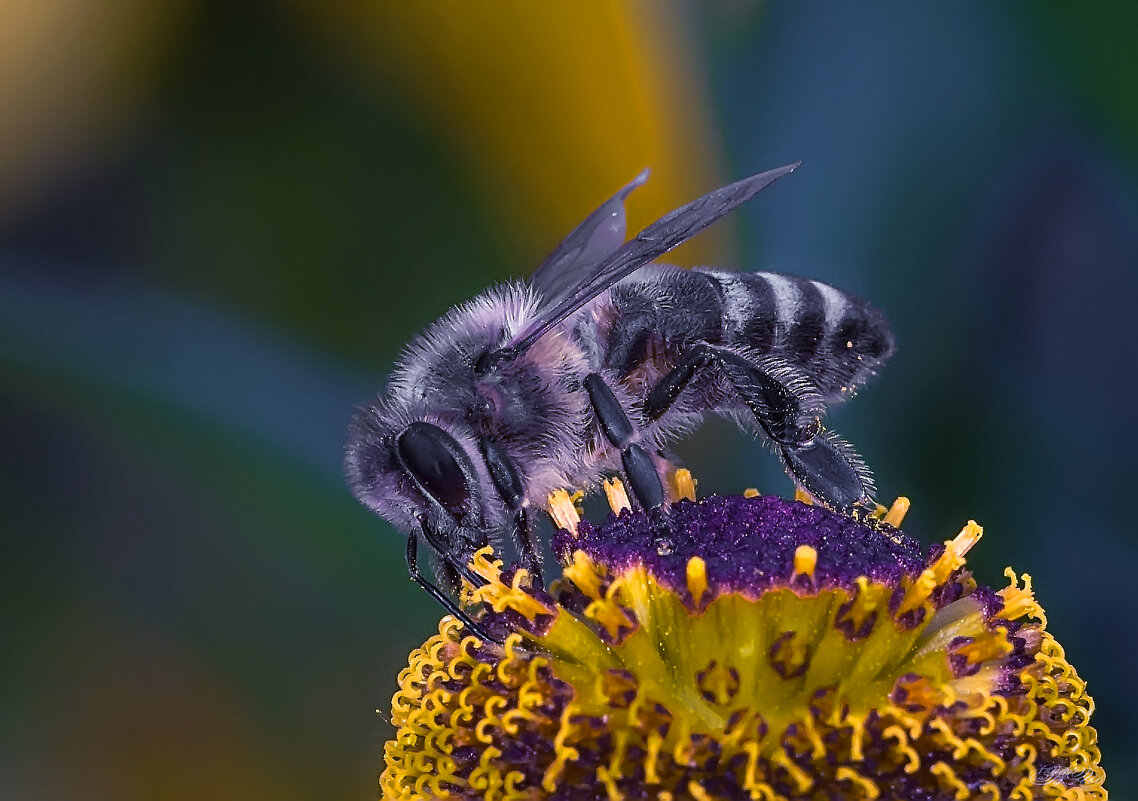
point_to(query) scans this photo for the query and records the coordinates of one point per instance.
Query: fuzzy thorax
(756, 648)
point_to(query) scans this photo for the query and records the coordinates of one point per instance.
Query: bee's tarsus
(614, 422)
(662, 541)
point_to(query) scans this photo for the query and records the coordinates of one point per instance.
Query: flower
(744, 647)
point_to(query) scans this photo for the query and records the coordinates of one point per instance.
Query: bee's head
(403, 469)
(415, 451)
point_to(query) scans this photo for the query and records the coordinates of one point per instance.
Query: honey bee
(592, 367)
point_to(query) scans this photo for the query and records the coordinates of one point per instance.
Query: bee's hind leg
(816, 459)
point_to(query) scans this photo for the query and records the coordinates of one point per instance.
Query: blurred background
(219, 222)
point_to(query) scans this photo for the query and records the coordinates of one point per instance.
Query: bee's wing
(578, 255)
(657, 239)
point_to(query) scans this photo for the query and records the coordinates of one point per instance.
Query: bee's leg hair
(509, 486)
(416, 575)
(643, 479)
(816, 459)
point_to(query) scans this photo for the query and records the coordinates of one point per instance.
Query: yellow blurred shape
(553, 105)
(71, 75)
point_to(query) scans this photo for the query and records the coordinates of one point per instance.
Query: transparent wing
(587, 245)
(657, 239)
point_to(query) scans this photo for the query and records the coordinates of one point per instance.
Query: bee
(593, 367)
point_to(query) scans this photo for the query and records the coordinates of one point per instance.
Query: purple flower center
(748, 544)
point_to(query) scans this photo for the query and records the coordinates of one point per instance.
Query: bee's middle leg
(638, 465)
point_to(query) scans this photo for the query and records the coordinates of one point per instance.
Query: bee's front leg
(453, 546)
(440, 596)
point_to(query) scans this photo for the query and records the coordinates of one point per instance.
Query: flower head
(744, 647)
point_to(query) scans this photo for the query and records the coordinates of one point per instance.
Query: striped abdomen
(836, 338)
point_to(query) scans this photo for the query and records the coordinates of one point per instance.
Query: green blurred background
(219, 223)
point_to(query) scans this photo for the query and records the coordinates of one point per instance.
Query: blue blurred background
(219, 223)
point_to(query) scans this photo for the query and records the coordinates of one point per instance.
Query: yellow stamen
(801, 779)
(913, 759)
(805, 560)
(918, 592)
(985, 649)
(697, 578)
(483, 564)
(954, 550)
(896, 514)
(500, 596)
(654, 743)
(857, 735)
(617, 497)
(1019, 601)
(620, 741)
(864, 603)
(718, 681)
(610, 785)
(578, 499)
(968, 536)
(683, 484)
(750, 492)
(583, 573)
(609, 614)
(563, 512)
(803, 496)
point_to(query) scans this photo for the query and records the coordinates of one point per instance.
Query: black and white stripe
(835, 338)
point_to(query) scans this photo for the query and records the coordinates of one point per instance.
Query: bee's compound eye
(432, 457)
